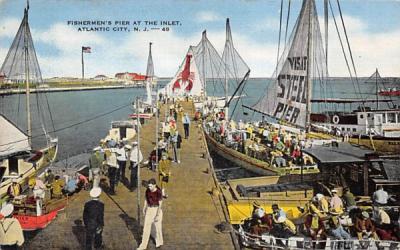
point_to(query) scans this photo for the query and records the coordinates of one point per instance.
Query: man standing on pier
(121, 159)
(134, 162)
(93, 218)
(152, 215)
(186, 124)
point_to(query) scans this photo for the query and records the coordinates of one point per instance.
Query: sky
(373, 27)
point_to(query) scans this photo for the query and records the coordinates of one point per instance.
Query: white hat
(7, 209)
(128, 146)
(98, 148)
(334, 191)
(134, 143)
(95, 192)
(281, 219)
(319, 196)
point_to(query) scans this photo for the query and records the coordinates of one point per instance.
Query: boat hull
(48, 156)
(381, 144)
(251, 164)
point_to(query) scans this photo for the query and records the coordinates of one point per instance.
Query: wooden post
(365, 174)
(138, 159)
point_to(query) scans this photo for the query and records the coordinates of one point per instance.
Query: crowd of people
(268, 142)
(337, 217)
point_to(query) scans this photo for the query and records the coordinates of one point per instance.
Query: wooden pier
(191, 212)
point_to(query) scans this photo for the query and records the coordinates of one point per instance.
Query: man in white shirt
(135, 158)
(121, 160)
(380, 196)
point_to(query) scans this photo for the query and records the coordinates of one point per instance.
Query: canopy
(12, 139)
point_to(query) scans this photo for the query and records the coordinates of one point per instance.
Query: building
(134, 78)
(100, 78)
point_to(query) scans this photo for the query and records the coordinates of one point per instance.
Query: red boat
(26, 214)
(389, 92)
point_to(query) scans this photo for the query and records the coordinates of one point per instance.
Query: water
(82, 118)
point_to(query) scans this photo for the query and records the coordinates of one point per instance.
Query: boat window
(13, 165)
(342, 129)
(2, 171)
(354, 129)
(384, 118)
(361, 116)
(368, 115)
(348, 129)
(391, 117)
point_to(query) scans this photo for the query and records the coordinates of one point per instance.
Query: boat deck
(191, 213)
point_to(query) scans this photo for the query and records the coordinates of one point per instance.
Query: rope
(75, 124)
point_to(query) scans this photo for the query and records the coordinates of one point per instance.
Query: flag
(86, 49)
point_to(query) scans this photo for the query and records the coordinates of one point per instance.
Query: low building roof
(344, 153)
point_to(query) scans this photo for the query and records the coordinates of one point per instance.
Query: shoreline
(4, 92)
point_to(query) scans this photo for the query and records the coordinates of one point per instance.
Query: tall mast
(26, 58)
(309, 63)
(326, 33)
(203, 63)
(376, 84)
(228, 31)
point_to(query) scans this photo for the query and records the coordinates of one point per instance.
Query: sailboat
(237, 70)
(145, 108)
(18, 157)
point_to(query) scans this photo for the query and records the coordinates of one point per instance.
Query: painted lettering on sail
(292, 91)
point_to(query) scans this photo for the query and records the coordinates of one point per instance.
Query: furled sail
(301, 63)
(21, 59)
(12, 140)
(149, 76)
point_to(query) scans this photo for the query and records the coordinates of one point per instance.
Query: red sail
(184, 76)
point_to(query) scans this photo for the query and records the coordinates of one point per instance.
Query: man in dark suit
(93, 218)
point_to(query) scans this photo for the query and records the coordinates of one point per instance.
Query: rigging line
(279, 39)
(287, 20)
(75, 124)
(349, 48)
(343, 51)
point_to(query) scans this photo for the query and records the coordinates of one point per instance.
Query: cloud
(9, 27)
(208, 16)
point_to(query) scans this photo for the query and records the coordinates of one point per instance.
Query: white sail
(149, 77)
(201, 62)
(287, 96)
(12, 140)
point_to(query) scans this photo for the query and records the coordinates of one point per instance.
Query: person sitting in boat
(277, 158)
(336, 229)
(380, 197)
(364, 227)
(297, 156)
(284, 228)
(381, 218)
(277, 212)
(315, 228)
(336, 202)
(261, 222)
(323, 204)
(349, 199)
(57, 187)
(14, 189)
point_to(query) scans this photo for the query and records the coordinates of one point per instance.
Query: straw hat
(128, 146)
(7, 210)
(365, 214)
(95, 192)
(319, 196)
(256, 204)
(334, 191)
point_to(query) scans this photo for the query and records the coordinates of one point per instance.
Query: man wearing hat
(135, 158)
(11, 235)
(364, 227)
(121, 160)
(93, 218)
(15, 188)
(337, 230)
(336, 202)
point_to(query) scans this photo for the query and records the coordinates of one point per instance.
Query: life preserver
(335, 119)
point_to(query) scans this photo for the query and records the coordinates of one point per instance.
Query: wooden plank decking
(190, 212)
